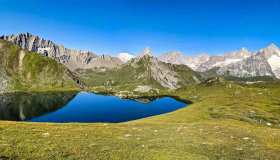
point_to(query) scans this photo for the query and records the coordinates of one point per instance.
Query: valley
(233, 110)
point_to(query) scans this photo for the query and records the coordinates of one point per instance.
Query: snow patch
(125, 56)
(274, 62)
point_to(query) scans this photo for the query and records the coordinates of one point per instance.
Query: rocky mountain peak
(174, 57)
(270, 50)
(147, 52)
(245, 52)
(273, 46)
(240, 54)
(176, 53)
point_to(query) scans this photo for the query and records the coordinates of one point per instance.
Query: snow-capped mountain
(272, 55)
(177, 57)
(146, 52)
(174, 58)
(125, 57)
(224, 60)
(241, 63)
(204, 62)
(254, 66)
(265, 62)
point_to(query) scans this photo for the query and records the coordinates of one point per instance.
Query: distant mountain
(73, 59)
(254, 66)
(21, 70)
(266, 62)
(240, 64)
(272, 55)
(174, 58)
(204, 62)
(125, 57)
(224, 60)
(177, 57)
(143, 70)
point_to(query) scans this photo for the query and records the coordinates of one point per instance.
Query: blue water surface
(90, 107)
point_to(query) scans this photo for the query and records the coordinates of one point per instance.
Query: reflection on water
(80, 107)
(24, 106)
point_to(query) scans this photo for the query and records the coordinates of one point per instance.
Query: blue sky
(112, 26)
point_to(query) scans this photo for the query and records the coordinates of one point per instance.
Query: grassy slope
(126, 77)
(136, 72)
(226, 121)
(33, 71)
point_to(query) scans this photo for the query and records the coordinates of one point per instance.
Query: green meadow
(226, 120)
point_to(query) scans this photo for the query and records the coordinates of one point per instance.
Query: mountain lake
(62, 107)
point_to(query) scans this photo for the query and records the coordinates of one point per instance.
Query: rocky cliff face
(73, 59)
(158, 71)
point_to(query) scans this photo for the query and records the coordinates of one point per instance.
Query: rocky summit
(73, 59)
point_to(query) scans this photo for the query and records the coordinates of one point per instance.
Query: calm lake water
(81, 107)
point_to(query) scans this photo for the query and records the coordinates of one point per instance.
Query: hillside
(24, 70)
(142, 71)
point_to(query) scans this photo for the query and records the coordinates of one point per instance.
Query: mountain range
(241, 64)
(170, 70)
(73, 59)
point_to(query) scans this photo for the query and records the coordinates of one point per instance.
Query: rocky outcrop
(164, 75)
(73, 59)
